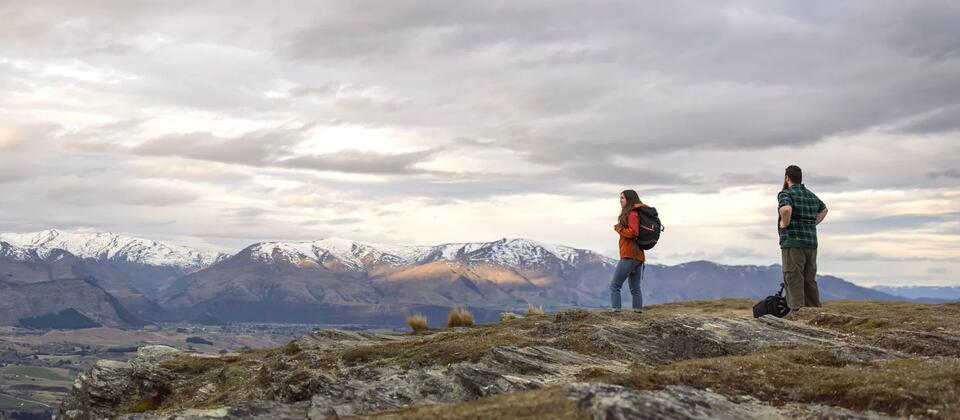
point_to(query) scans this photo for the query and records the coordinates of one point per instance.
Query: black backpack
(650, 228)
(775, 305)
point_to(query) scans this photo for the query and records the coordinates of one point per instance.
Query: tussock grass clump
(533, 310)
(506, 316)
(291, 349)
(417, 322)
(459, 317)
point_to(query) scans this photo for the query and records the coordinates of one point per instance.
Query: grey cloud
(276, 148)
(946, 173)
(732, 178)
(748, 178)
(11, 174)
(909, 222)
(177, 169)
(353, 161)
(335, 221)
(98, 192)
(869, 256)
(326, 89)
(245, 213)
(743, 75)
(620, 175)
(940, 120)
(557, 83)
(256, 149)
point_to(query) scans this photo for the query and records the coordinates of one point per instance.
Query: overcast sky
(223, 123)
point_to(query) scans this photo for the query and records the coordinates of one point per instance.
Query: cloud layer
(436, 121)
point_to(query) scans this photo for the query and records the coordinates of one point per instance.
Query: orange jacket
(628, 245)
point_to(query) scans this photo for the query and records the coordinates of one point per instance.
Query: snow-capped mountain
(8, 250)
(110, 247)
(343, 281)
(516, 253)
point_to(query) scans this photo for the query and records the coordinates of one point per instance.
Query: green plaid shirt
(802, 232)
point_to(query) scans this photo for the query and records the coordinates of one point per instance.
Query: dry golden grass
(810, 375)
(912, 386)
(192, 365)
(549, 403)
(871, 318)
(459, 317)
(738, 308)
(417, 322)
(506, 316)
(291, 349)
(927, 330)
(533, 310)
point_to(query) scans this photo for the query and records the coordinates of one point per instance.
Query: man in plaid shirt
(800, 213)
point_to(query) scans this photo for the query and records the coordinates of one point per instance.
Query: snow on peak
(110, 246)
(351, 253)
(511, 252)
(8, 250)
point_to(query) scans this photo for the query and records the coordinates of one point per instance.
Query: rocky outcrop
(113, 387)
(611, 402)
(331, 374)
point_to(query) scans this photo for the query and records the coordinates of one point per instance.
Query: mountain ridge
(111, 246)
(357, 282)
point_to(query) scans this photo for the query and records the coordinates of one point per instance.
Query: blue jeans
(627, 268)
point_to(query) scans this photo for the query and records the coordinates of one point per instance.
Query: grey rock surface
(111, 387)
(298, 390)
(612, 402)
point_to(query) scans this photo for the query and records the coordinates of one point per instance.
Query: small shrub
(506, 316)
(459, 317)
(534, 310)
(291, 349)
(417, 322)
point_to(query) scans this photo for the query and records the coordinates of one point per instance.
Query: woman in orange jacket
(631, 256)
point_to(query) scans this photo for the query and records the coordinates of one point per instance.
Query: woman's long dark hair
(632, 198)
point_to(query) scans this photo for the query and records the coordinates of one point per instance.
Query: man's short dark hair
(795, 174)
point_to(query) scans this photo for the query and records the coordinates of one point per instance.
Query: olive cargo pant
(800, 277)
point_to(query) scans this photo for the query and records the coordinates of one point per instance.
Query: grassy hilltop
(850, 358)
